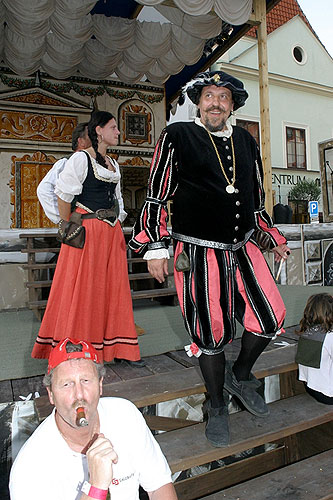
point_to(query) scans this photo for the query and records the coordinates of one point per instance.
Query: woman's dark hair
(98, 118)
(318, 311)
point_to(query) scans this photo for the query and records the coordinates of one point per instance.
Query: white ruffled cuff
(159, 253)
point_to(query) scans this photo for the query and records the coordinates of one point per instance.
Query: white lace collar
(220, 133)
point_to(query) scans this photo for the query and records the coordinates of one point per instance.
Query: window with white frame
(296, 148)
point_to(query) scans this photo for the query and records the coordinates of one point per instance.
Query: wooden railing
(40, 274)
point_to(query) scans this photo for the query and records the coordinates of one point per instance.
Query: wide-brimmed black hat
(220, 79)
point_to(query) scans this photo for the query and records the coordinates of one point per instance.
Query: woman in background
(90, 297)
(315, 347)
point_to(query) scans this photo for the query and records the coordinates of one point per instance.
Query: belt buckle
(102, 213)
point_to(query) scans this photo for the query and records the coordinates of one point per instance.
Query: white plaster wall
(280, 43)
(318, 66)
(291, 104)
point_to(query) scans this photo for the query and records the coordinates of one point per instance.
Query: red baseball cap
(59, 353)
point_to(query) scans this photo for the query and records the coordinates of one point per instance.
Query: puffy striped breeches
(224, 286)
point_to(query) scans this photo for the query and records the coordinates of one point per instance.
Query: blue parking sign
(313, 208)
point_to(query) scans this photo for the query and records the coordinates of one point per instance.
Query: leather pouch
(182, 262)
(71, 232)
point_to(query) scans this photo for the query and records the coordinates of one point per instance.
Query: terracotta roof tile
(281, 14)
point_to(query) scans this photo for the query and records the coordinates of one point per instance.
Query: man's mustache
(222, 110)
(77, 403)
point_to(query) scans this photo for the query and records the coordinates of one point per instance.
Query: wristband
(93, 492)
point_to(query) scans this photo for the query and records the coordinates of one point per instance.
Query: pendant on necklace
(230, 189)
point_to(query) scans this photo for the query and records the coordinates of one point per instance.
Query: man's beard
(215, 128)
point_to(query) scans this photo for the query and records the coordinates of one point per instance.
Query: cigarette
(279, 270)
(81, 420)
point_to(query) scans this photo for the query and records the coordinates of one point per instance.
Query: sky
(320, 15)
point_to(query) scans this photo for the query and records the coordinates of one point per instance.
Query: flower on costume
(192, 350)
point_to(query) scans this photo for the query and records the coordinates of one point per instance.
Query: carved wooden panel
(136, 161)
(37, 98)
(27, 172)
(20, 125)
(135, 124)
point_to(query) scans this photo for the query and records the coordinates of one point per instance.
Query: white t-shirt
(47, 468)
(321, 379)
(45, 191)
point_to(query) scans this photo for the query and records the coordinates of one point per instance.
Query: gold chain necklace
(230, 189)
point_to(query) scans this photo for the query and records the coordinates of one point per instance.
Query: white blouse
(71, 179)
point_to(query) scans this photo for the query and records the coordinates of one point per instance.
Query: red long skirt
(90, 297)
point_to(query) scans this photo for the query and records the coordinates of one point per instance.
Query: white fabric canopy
(62, 38)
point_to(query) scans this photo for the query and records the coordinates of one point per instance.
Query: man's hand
(281, 252)
(158, 268)
(100, 457)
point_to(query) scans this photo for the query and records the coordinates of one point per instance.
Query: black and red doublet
(228, 277)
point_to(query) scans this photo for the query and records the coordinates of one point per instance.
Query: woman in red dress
(90, 296)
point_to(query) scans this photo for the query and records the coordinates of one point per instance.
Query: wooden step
(37, 304)
(47, 265)
(307, 479)
(157, 423)
(39, 284)
(40, 250)
(137, 294)
(39, 235)
(142, 276)
(156, 292)
(139, 276)
(154, 389)
(188, 447)
(135, 260)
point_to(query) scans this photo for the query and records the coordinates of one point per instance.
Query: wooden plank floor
(188, 447)
(11, 390)
(305, 480)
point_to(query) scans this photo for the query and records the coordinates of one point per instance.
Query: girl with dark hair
(90, 297)
(315, 347)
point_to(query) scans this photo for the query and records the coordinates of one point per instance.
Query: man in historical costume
(89, 447)
(212, 172)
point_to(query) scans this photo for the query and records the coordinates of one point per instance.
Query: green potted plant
(299, 197)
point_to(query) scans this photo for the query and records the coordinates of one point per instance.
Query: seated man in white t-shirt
(89, 446)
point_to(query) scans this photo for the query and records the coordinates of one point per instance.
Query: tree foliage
(305, 190)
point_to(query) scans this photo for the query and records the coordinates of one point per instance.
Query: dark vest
(97, 192)
(201, 206)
